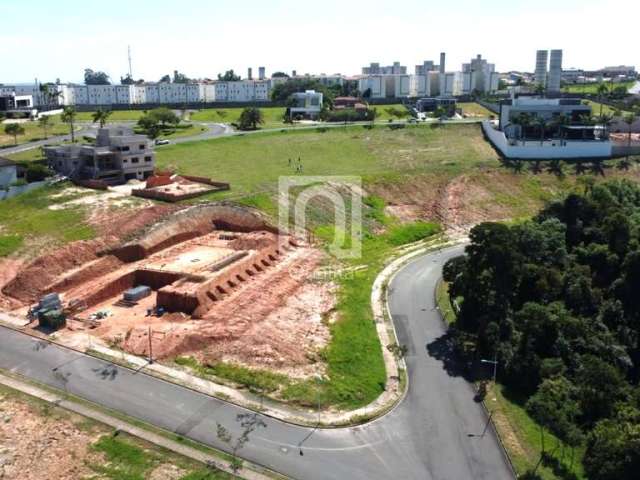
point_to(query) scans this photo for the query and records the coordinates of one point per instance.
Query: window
(125, 161)
(135, 160)
(141, 147)
(147, 159)
(125, 148)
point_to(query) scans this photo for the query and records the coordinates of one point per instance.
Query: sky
(58, 40)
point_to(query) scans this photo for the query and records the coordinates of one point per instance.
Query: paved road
(425, 438)
(635, 89)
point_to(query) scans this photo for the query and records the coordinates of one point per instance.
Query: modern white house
(534, 128)
(306, 104)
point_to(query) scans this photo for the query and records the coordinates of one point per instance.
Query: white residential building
(306, 104)
(479, 75)
(540, 76)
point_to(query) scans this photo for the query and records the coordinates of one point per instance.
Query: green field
(34, 132)
(116, 116)
(606, 109)
(27, 219)
(253, 163)
(592, 88)
(474, 109)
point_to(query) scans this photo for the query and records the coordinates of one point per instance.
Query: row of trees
(555, 301)
(157, 121)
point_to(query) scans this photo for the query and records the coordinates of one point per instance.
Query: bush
(37, 172)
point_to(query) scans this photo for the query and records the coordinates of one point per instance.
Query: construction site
(216, 282)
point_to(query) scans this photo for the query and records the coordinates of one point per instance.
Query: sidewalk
(159, 440)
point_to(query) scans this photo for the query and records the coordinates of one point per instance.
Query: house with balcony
(117, 156)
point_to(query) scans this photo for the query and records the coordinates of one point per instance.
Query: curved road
(433, 434)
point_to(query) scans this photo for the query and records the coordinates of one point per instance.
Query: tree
(180, 77)
(613, 447)
(165, 116)
(150, 126)
(555, 408)
(278, 75)
(127, 80)
(165, 79)
(629, 119)
(95, 78)
(69, 116)
(44, 121)
(250, 118)
(541, 124)
(602, 91)
(49, 93)
(229, 76)
(101, 116)
(366, 93)
(249, 422)
(14, 129)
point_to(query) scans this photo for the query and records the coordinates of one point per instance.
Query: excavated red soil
(29, 283)
(275, 319)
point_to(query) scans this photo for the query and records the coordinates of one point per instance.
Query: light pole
(495, 366)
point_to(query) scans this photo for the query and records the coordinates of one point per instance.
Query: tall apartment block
(542, 58)
(555, 72)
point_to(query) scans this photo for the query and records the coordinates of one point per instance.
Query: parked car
(163, 142)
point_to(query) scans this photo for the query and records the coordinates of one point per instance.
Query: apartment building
(548, 71)
(376, 69)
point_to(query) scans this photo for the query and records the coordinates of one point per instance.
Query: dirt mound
(254, 241)
(122, 223)
(32, 281)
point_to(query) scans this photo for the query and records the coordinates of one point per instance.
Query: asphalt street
(433, 434)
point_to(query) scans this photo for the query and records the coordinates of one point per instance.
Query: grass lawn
(593, 87)
(26, 218)
(443, 303)
(606, 109)
(272, 116)
(116, 116)
(33, 132)
(253, 163)
(474, 109)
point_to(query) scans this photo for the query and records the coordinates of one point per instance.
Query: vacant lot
(39, 440)
(33, 132)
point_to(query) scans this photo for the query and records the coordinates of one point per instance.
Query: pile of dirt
(29, 284)
(114, 226)
(34, 446)
(8, 269)
(123, 222)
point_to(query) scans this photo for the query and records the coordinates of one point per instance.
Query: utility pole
(129, 56)
(150, 347)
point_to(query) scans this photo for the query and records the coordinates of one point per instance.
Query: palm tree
(629, 119)
(602, 91)
(541, 123)
(539, 89)
(14, 129)
(585, 120)
(69, 116)
(523, 120)
(44, 122)
(562, 121)
(605, 120)
(101, 116)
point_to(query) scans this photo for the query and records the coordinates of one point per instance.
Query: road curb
(31, 389)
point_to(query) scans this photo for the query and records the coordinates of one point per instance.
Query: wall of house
(570, 150)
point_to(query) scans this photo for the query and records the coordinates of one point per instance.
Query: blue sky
(50, 40)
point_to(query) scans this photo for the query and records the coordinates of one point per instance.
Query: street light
(494, 362)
